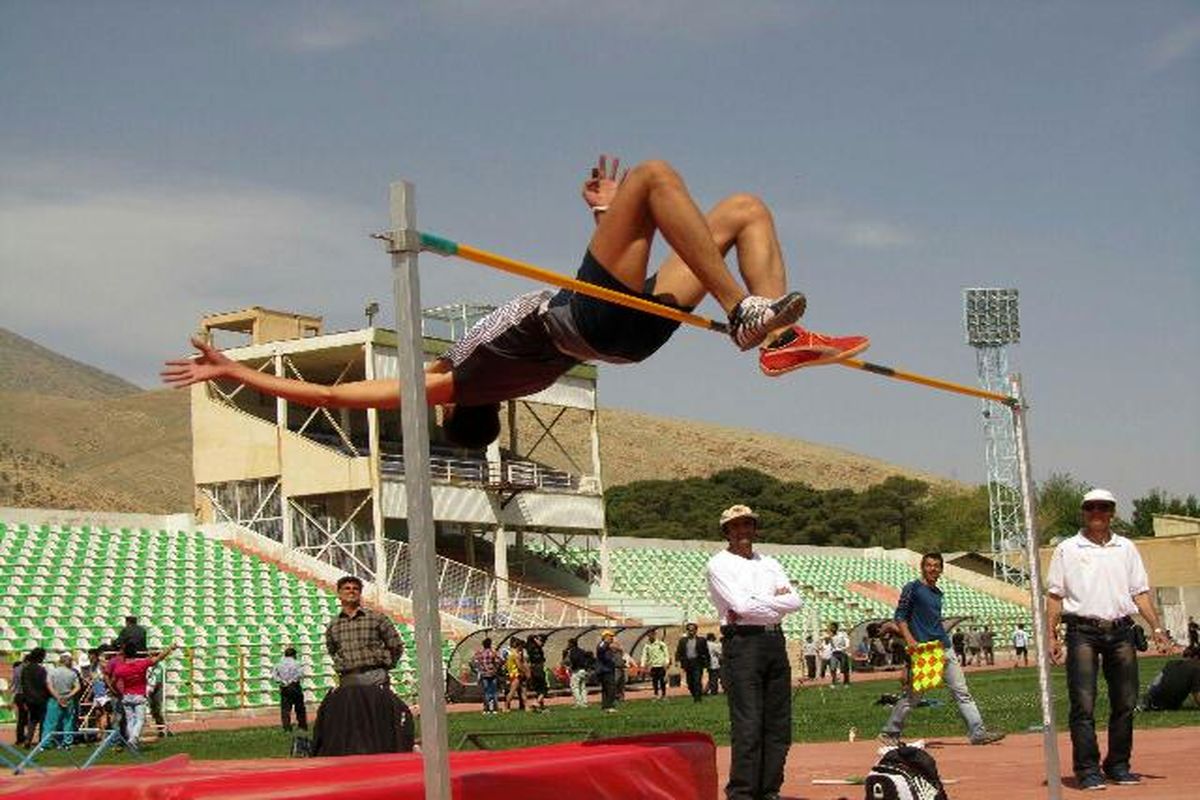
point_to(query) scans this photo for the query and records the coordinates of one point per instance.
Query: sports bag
(905, 773)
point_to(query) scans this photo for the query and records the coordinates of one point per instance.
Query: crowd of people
(62, 704)
(1096, 583)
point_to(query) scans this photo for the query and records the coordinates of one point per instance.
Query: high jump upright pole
(404, 244)
(1036, 594)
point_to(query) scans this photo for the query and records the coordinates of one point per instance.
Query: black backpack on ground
(905, 773)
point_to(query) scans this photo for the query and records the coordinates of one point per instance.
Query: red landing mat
(671, 766)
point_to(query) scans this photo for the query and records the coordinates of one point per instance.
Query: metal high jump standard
(404, 242)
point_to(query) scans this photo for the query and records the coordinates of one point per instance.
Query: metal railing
(505, 474)
(485, 600)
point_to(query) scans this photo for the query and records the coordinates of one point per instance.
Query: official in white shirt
(1096, 582)
(752, 594)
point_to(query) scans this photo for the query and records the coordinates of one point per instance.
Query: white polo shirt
(1097, 580)
(748, 586)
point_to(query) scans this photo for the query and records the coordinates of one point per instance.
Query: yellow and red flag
(928, 662)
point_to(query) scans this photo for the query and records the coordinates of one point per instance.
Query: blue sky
(163, 160)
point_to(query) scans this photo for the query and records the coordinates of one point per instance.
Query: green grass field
(1008, 700)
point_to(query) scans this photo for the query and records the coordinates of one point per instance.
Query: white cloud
(117, 270)
(833, 224)
(1175, 45)
(701, 20)
(332, 28)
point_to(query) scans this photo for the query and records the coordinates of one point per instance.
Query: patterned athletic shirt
(509, 353)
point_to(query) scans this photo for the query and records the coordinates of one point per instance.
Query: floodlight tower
(992, 323)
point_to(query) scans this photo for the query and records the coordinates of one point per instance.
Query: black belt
(750, 630)
(1095, 622)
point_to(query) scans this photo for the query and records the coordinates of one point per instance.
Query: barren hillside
(103, 445)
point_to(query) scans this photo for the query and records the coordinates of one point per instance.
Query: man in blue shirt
(919, 617)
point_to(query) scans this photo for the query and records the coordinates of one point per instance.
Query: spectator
(157, 683)
(691, 653)
(34, 694)
(1020, 640)
(535, 654)
(656, 658)
(132, 633)
(606, 672)
(974, 647)
(516, 667)
(987, 644)
(1178, 680)
(289, 673)
(95, 695)
(363, 644)
(840, 659)
(810, 658)
(580, 663)
(959, 643)
(62, 682)
(130, 674)
(114, 691)
(620, 671)
(714, 664)
(1193, 633)
(486, 663)
(826, 655)
(18, 701)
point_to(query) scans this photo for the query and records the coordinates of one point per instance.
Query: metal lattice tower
(992, 323)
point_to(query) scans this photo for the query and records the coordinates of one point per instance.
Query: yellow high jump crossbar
(449, 247)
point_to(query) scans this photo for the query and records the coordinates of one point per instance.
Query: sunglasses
(1098, 507)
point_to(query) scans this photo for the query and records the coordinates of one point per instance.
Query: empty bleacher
(230, 612)
(676, 577)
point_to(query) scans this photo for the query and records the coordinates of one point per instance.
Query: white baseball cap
(1099, 496)
(737, 512)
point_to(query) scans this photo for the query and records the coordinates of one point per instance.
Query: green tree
(1059, 498)
(894, 506)
(1159, 502)
(954, 520)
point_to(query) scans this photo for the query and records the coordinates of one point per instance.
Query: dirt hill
(26, 366)
(106, 444)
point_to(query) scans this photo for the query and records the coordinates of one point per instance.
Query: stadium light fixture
(990, 317)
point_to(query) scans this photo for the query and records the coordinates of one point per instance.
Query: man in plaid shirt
(363, 643)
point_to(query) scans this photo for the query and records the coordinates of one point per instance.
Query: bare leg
(742, 221)
(654, 197)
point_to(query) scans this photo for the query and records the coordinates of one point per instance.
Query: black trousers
(694, 672)
(810, 666)
(758, 686)
(1090, 649)
(291, 697)
(22, 720)
(658, 681)
(608, 689)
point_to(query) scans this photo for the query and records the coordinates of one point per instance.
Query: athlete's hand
(1162, 641)
(601, 187)
(210, 364)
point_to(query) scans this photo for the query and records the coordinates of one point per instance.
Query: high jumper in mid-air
(526, 344)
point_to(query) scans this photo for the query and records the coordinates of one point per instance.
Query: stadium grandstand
(288, 499)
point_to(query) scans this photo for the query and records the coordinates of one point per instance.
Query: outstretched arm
(212, 364)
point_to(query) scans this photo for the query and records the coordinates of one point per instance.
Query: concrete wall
(60, 518)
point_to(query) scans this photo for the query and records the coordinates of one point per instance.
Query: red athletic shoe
(803, 348)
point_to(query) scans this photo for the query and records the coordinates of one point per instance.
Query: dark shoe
(754, 317)
(988, 737)
(1092, 782)
(1123, 778)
